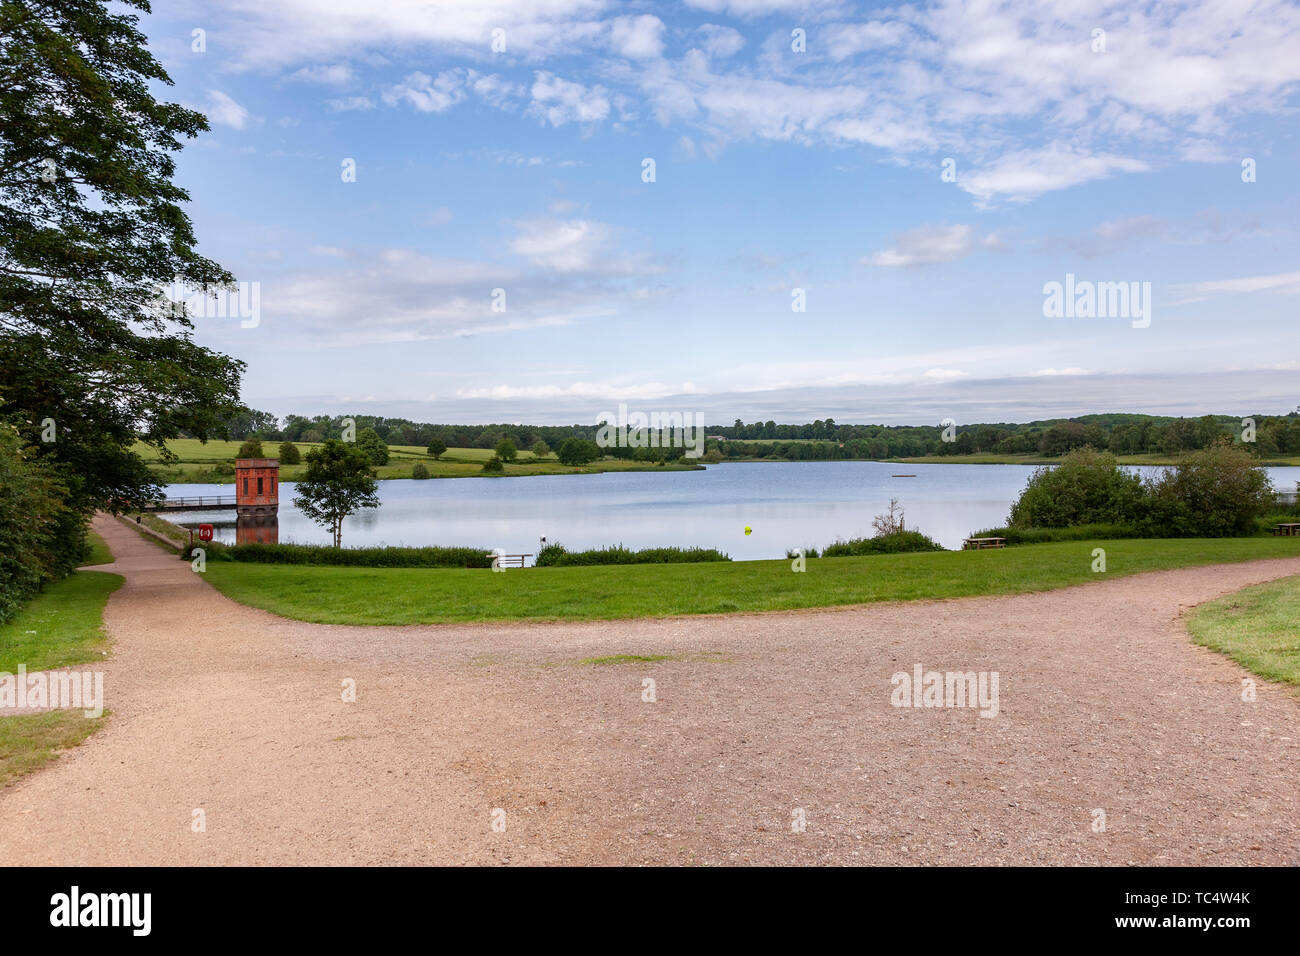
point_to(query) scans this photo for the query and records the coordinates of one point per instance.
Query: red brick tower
(257, 486)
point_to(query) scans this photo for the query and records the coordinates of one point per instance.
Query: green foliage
(1215, 492)
(42, 537)
(556, 555)
(506, 450)
(540, 449)
(1087, 487)
(289, 454)
(376, 449)
(430, 557)
(338, 482)
(92, 228)
(899, 542)
(437, 448)
(1212, 493)
(494, 466)
(578, 451)
(419, 471)
(1082, 532)
(252, 448)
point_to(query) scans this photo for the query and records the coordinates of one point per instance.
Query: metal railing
(207, 501)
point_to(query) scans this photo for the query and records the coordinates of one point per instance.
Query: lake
(787, 504)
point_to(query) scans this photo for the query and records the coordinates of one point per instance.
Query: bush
(494, 466)
(431, 557)
(251, 448)
(578, 451)
(1087, 487)
(792, 553)
(900, 542)
(1213, 493)
(376, 448)
(289, 454)
(419, 471)
(42, 538)
(556, 555)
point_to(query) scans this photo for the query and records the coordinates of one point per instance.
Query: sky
(535, 210)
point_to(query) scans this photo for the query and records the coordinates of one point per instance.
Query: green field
(333, 595)
(60, 627)
(197, 460)
(1259, 628)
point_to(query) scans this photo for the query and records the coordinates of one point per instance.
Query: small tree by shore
(289, 454)
(339, 481)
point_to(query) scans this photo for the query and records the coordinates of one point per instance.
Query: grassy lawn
(99, 553)
(197, 460)
(1259, 628)
(30, 740)
(61, 626)
(333, 595)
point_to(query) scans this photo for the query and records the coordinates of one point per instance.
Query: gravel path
(1104, 705)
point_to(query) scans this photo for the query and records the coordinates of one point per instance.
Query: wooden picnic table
(977, 544)
(1287, 528)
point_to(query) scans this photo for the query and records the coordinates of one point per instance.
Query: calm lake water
(787, 504)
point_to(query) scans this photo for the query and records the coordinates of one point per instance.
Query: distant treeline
(1121, 433)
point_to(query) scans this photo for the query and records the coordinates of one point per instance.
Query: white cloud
(1059, 371)
(719, 41)
(428, 94)
(928, 245)
(225, 111)
(1025, 174)
(1284, 283)
(639, 37)
(561, 101)
(567, 245)
(349, 103)
(333, 75)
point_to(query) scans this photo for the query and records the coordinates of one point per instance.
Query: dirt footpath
(757, 722)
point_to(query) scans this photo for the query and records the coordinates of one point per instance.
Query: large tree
(91, 230)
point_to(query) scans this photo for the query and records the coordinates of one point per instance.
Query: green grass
(1259, 628)
(31, 740)
(99, 553)
(60, 626)
(374, 596)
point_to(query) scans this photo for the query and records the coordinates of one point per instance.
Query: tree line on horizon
(1120, 433)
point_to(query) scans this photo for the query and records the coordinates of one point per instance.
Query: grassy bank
(61, 627)
(197, 461)
(29, 741)
(1256, 627)
(333, 595)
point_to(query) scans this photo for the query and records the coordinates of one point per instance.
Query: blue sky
(775, 169)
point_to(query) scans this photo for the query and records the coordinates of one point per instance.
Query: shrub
(578, 451)
(251, 448)
(1087, 487)
(1212, 493)
(494, 466)
(42, 538)
(376, 448)
(556, 555)
(419, 471)
(289, 454)
(792, 553)
(430, 557)
(900, 542)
